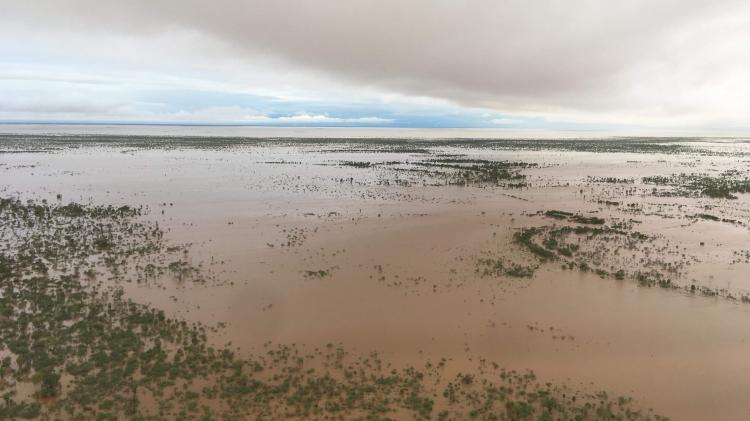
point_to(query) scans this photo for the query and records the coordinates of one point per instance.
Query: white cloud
(107, 111)
(319, 118)
(504, 121)
(652, 63)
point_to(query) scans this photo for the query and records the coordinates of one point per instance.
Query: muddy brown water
(400, 263)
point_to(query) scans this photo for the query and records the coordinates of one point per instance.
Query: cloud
(645, 62)
(504, 121)
(239, 115)
(82, 105)
(317, 119)
(67, 110)
(243, 115)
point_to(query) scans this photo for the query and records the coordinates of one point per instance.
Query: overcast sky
(651, 64)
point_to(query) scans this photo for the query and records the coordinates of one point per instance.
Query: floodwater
(306, 248)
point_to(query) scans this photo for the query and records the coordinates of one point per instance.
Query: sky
(653, 65)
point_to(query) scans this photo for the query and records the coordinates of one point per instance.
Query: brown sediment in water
(382, 258)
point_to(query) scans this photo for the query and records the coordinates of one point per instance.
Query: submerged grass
(90, 353)
(615, 251)
(499, 267)
(724, 186)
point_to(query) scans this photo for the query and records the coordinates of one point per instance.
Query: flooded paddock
(615, 265)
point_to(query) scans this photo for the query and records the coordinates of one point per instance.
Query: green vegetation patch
(499, 267)
(615, 251)
(724, 186)
(465, 171)
(574, 217)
